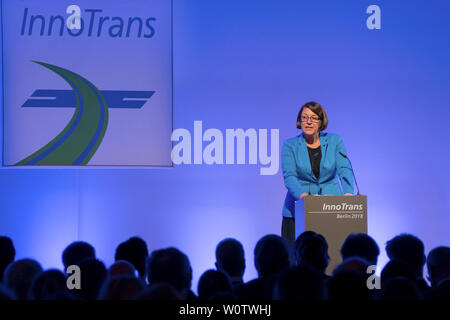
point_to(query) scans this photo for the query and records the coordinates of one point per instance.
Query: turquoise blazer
(298, 176)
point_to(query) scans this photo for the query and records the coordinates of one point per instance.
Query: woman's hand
(348, 194)
(304, 194)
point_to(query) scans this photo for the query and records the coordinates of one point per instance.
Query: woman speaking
(311, 163)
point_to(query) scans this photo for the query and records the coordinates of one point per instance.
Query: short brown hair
(318, 110)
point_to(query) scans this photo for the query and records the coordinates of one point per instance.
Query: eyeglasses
(312, 118)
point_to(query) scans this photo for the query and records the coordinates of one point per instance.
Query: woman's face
(310, 122)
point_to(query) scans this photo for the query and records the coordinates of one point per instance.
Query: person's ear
(299, 125)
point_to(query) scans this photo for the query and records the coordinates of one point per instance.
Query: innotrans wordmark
(94, 24)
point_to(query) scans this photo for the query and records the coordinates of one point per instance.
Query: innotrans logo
(77, 143)
(91, 23)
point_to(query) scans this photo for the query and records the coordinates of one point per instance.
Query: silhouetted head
(360, 245)
(311, 249)
(230, 257)
(122, 288)
(271, 255)
(19, 276)
(299, 283)
(304, 235)
(47, 284)
(353, 264)
(77, 251)
(93, 276)
(400, 288)
(160, 291)
(135, 251)
(348, 286)
(394, 269)
(438, 265)
(212, 282)
(171, 266)
(121, 268)
(7, 254)
(409, 249)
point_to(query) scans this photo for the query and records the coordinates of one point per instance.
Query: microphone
(310, 179)
(309, 193)
(351, 167)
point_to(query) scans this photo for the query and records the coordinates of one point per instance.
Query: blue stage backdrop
(251, 65)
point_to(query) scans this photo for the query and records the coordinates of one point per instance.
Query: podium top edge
(334, 196)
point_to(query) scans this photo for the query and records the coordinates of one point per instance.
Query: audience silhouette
(135, 251)
(311, 250)
(299, 283)
(121, 268)
(77, 251)
(121, 288)
(409, 249)
(160, 291)
(400, 288)
(231, 260)
(438, 265)
(93, 275)
(348, 285)
(360, 245)
(19, 276)
(271, 255)
(213, 282)
(7, 254)
(166, 274)
(6, 293)
(171, 266)
(47, 284)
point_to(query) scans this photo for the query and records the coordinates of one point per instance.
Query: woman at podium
(312, 163)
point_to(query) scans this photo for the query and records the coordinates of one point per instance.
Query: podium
(334, 217)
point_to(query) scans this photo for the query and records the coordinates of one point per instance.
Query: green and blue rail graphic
(82, 136)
